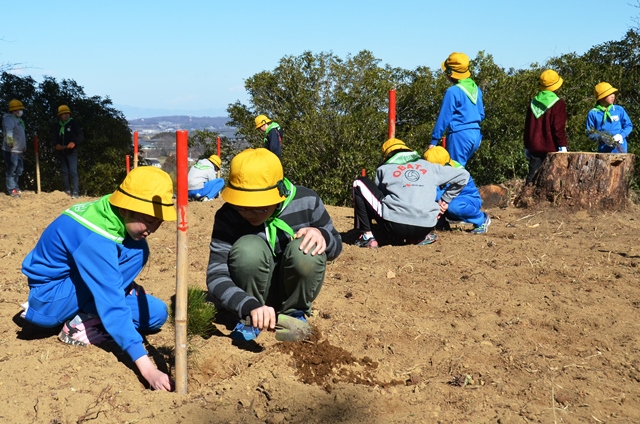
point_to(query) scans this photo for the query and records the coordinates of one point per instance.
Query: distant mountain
(133, 112)
(158, 124)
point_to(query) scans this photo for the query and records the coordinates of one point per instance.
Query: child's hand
(311, 236)
(156, 378)
(264, 318)
(443, 206)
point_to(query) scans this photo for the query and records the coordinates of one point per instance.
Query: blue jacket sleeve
(627, 125)
(444, 118)
(97, 262)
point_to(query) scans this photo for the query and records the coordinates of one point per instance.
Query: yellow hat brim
(252, 199)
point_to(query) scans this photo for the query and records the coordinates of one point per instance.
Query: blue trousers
(54, 302)
(210, 189)
(14, 162)
(462, 145)
(467, 209)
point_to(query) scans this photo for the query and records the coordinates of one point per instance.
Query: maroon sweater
(547, 133)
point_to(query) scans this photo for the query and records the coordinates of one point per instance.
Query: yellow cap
(457, 66)
(261, 120)
(603, 89)
(15, 105)
(148, 190)
(255, 179)
(550, 81)
(215, 159)
(64, 109)
(437, 155)
(391, 146)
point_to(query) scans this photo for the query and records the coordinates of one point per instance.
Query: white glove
(617, 138)
(562, 149)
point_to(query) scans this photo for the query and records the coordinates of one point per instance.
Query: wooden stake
(182, 166)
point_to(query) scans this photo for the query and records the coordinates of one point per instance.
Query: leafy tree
(334, 116)
(101, 164)
(207, 142)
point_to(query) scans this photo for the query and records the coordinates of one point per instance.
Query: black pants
(535, 162)
(367, 200)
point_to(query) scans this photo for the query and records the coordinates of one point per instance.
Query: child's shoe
(430, 238)
(364, 241)
(83, 330)
(244, 331)
(299, 315)
(484, 227)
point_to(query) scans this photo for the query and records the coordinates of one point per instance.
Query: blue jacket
(620, 123)
(70, 253)
(457, 113)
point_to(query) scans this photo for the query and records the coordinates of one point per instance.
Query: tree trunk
(581, 180)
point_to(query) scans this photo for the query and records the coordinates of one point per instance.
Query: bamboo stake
(182, 165)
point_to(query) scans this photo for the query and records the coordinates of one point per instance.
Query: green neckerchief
(21, 122)
(100, 217)
(274, 223)
(469, 87)
(200, 165)
(452, 163)
(543, 102)
(402, 158)
(605, 112)
(271, 126)
(62, 124)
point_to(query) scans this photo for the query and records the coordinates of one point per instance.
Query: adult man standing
(67, 137)
(272, 134)
(14, 145)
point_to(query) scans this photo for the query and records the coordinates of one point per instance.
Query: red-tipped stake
(182, 168)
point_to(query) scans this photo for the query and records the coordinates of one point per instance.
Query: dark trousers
(535, 162)
(367, 200)
(69, 167)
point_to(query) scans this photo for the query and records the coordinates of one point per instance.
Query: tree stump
(581, 180)
(494, 196)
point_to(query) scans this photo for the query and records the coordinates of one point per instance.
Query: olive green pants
(287, 283)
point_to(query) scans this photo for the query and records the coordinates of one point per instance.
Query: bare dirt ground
(536, 321)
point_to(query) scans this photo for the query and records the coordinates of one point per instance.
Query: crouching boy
(270, 245)
(81, 272)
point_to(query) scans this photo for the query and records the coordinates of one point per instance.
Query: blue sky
(155, 57)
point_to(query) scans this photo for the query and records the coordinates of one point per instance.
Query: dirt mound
(318, 362)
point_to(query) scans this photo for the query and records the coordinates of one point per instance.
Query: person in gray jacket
(14, 145)
(204, 184)
(402, 198)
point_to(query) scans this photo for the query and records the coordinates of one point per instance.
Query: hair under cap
(604, 89)
(437, 155)
(215, 159)
(457, 66)
(261, 120)
(255, 179)
(148, 190)
(391, 146)
(62, 109)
